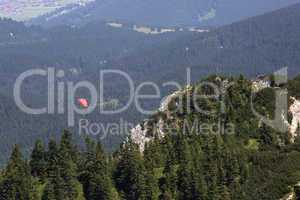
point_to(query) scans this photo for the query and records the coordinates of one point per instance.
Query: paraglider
(83, 102)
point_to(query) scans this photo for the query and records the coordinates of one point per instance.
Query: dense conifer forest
(257, 162)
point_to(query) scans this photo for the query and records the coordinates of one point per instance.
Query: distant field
(24, 9)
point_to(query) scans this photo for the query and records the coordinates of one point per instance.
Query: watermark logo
(183, 100)
(101, 130)
(58, 91)
(281, 103)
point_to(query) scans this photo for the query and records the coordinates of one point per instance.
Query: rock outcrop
(156, 125)
(295, 111)
(292, 195)
(260, 83)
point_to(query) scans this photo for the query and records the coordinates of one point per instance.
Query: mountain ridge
(272, 39)
(157, 13)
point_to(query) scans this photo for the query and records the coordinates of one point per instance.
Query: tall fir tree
(130, 173)
(150, 152)
(17, 183)
(184, 172)
(96, 180)
(38, 162)
(68, 167)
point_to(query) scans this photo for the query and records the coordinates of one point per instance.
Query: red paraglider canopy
(83, 102)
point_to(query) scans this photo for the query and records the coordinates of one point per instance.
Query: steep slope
(80, 52)
(165, 13)
(13, 32)
(249, 162)
(94, 43)
(272, 156)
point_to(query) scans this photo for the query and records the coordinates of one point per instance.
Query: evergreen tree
(67, 166)
(67, 146)
(168, 183)
(52, 159)
(130, 173)
(185, 187)
(96, 180)
(211, 167)
(54, 189)
(49, 192)
(62, 170)
(38, 160)
(225, 194)
(150, 152)
(17, 183)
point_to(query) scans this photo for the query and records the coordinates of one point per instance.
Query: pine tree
(52, 159)
(168, 183)
(96, 180)
(62, 170)
(54, 189)
(225, 194)
(150, 152)
(49, 192)
(235, 178)
(67, 166)
(38, 161)
(17, 183)
(185, 185)
(130, 173)
(199, 186)
(211, 167)
(170, 177)
(66, 145)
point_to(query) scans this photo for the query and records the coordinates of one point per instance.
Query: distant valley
(24, 10)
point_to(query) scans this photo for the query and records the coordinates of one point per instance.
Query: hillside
(257, 45)
(80, 52)
(253, 162)
(163, 13)
(95, 42)
(254, 46)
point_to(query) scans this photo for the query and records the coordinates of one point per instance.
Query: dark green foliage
(205, 168)
(54, 189)
(184, 172)
(62, 170)
(152, 160)
(255, 163)
(130, 173)
(38, 162)
(96, 177)
(17, 183)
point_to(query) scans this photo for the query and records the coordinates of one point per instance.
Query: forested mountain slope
(93, 44)
(254, 162)
(256, 45)
(80, 52)
(164, 13)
